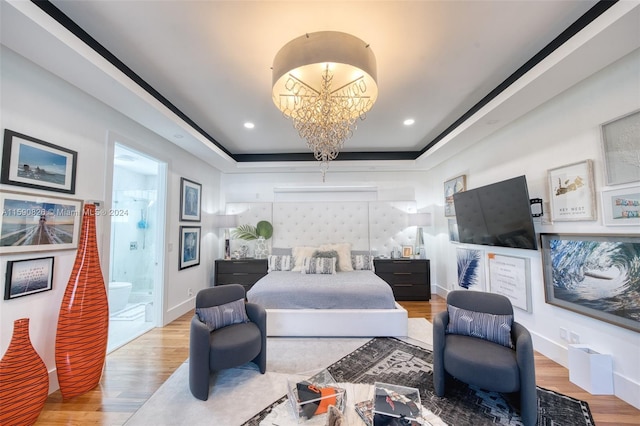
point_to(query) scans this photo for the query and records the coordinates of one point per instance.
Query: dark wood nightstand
(409, 279)
(240, 271)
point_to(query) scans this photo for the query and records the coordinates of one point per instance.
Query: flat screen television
(496, 215)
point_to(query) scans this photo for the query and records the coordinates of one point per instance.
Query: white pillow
(279, 263)
(344, 255)
(299, 253)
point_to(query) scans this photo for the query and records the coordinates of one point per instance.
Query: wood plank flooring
(135, 371)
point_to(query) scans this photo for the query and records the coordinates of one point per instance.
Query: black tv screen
(496, 215)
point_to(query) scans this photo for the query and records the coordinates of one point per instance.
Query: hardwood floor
(135, 371)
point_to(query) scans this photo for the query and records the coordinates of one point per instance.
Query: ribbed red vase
(83, 324)
(24, 380)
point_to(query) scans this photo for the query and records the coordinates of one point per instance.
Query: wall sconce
(226, 222)
(420, 220)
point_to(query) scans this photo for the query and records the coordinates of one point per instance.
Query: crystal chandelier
(324, 82)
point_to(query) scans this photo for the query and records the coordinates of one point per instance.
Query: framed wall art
(29, 276)
(621, 206)
(34, 163)
(621, 149)
(190, 196)
(407, 251)
(594, 275)
(451, 187)
(470, 269)
(572, 192)
(38, 223)
(189, 246)
(510, 276)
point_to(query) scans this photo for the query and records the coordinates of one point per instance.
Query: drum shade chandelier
(324, 82)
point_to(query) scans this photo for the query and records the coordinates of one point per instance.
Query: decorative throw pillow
(223, 315)
(344, 255)
(326, 253)
(494, 328)
(319, 265)
(299, 253)
(362, 262)
(280, 263)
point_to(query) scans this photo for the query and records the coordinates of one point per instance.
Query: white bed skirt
(338, 322)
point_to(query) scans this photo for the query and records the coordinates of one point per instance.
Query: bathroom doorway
(137, 240)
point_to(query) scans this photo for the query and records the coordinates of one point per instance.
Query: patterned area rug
(389, 360)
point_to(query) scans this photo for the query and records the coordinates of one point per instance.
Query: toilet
(119, 292)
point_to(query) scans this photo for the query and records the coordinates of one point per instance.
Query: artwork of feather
(469, 267)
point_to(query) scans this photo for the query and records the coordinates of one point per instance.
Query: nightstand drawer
(403, 278)
(258, 266)
(240, 271)
(400, 265)
(412, 292)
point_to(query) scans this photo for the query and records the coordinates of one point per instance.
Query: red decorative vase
(83, 323)
(24, 380)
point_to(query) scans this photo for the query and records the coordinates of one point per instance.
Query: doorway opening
(137, 238)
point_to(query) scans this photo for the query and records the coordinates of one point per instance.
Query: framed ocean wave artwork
(597, 275)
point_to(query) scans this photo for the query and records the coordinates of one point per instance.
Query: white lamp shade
(226, 221)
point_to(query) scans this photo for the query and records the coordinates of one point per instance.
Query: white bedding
(343, 290)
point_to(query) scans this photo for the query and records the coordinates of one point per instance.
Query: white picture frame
(621, 207)
(572, 192)
(510, 276)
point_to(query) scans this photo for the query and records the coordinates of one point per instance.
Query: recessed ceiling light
(408, 121)
(249, 125)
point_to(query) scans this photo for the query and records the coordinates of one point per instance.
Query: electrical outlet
(574, 337)
(190, 292)
(563, 334)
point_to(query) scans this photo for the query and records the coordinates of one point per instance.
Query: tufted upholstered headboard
(378, 226)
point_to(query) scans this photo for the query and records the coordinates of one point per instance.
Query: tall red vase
(83, 323)
(24, 380)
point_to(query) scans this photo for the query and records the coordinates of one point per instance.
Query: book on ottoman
(395, 405)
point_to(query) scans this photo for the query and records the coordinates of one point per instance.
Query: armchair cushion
(216, 317)
(494, 328)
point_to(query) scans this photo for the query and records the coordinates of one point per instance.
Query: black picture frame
(189, 247)
(190, 200)
(34, 163)
(28, 276)
(38, 222)
(590, 274)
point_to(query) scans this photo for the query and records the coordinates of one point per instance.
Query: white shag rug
(238, 393)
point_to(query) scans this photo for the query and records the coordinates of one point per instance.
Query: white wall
(563, 131)
(36, 103)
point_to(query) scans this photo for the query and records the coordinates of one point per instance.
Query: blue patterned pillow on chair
(223, 315)
(494, 328)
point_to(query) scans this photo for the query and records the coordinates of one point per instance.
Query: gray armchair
(482, 363)
(228, 346)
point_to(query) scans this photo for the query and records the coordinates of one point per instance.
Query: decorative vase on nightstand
(261, 251)
(83, 324)
(24, 380)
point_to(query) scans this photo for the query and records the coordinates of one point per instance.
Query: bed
(354, 303)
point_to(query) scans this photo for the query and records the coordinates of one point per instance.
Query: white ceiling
(211, 60)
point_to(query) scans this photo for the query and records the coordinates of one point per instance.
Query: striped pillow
(280, 263)
(362, 262)
(319, 265)
(223, 315)
(494, 328)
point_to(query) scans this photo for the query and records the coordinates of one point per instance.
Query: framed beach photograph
(572, 192)
(621, 207)
(29, 276)
(38, 223)
(453, 186)
(190, 195)
(34, 163)
(594, 275)
(621, 149)
(470, 269)
(189, 246)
